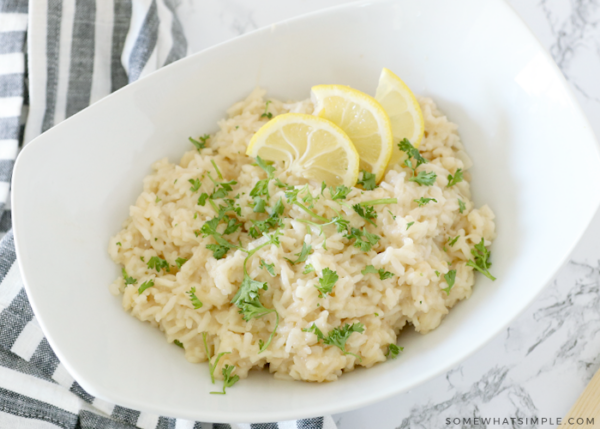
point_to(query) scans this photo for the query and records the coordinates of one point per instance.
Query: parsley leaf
(367, 213)
(178, 343)
(315, 330)
(424, 178)
(481, 256)
(200, 144)
(392, 215)
(212, 366)
(259, 205)
(195, 301)
(338, 336)
(202, 199)
(327, 282)
(458, 177)
(422, 201)
(461, 206)
(180, 261)
(450, 279)
(273, 221)
(158, 264)
(218, 250)
(228, 380)
(383, 274)
(266, 113)
(195, 184)
(308, 268)
(367, 181)
(411, 152)
(232, 225)
(269, 169)
(306, 250)
(409, 224)
(128, 280)
(340, 192)
(145, 286)
(269, 267)
(364, 239)
(393, 351)
(452, 241)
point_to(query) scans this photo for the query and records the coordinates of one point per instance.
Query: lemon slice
(362, 118)
(311, 147)
(403, 110)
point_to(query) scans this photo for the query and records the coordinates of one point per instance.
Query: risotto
(336, 296)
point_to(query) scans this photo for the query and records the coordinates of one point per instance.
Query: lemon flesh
(403, 109)
(362, 118)
(310, 147)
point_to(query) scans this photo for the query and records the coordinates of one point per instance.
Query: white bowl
(536, 165)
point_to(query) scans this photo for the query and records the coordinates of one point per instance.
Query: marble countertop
(541, 363)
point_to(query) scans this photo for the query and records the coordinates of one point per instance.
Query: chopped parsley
(364, 240)
(128, 280)
(266, 113)
(201, 144)
(457, 178)
(195, 301)
(450, 278)
(339, 336)
(481, 261)
(247, 298)
(339, 193)
(158, 264)
(393, 351)
(461, 206)
(274, 220)
(383, 274)
(269, 267)
(409, 224)
(195, 184)
(422, 201)
(178, 343)
(367, 180)
(392, 215)
(158, 200)
(367, 213)
(145, 285)
(411, 152)
(452, 241)
(304, 252)
(437, 273)
(202, 199)
(211, 366)
(228, 380)
(259, 205)
(119, 243)
(180, 261)
(327, 282)
(308, 268)
(424, 178)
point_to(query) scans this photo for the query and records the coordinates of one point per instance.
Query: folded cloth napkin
(57, 57)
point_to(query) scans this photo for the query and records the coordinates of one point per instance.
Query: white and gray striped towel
(56, 58)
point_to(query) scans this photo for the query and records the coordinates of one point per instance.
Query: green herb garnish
(180, 261)
(327, 282)
(461, 206)
(269, 267)
(158, 264)
(393, 351)
(339, 336)
(200, 144)
(195, 184)
(409, 224)
(481, 256)
(178, 343)
(145, 286)
(450, 278)
(383, 274)
(424, 178)
(422, 201)
(308, 268)
(304, 252)
(128, 280)
(457, 178)
(367, 180)
(452, 241)
(195, 301)
(266, 113)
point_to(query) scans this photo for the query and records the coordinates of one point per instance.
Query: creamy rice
(163, 220)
